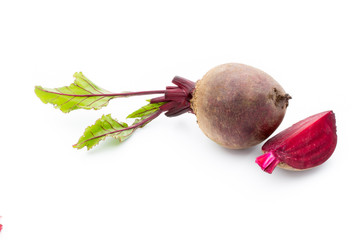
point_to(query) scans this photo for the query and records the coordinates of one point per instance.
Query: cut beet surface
(304, 145)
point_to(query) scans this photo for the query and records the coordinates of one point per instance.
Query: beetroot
(236, 105)
(304, 145)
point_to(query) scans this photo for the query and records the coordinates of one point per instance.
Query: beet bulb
(238, 106)
(304, 145)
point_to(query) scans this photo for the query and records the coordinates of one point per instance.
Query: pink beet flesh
(304, 145)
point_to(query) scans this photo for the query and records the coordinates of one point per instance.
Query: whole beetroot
(238, 106)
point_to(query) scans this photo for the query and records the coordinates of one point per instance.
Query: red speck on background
(0, 227)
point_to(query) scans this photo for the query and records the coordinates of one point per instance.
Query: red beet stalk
(177, 97)
(304, 145)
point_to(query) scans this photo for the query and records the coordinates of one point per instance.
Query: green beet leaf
(104, 127)
(82, 94)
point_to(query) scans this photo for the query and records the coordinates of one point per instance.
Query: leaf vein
(67, 87)
(83, 88)
(104, 128)
(53, 99)
(78, 104)
(98, 99)
(111, 126)
(91, 133)
(91, 84)
(66, 102)
(57, 90)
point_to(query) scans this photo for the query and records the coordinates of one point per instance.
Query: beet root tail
(267, 162)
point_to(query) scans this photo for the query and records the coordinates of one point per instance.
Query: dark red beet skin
(304, 145)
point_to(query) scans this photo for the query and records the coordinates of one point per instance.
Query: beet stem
(268, 161)
(140, 93)
(124, 94)
(177, 97)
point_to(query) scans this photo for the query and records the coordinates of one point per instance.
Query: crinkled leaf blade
(104, 127)
(82, 94)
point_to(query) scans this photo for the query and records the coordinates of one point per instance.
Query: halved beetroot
(304, 145)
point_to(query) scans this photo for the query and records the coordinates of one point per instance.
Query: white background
(169, 181)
